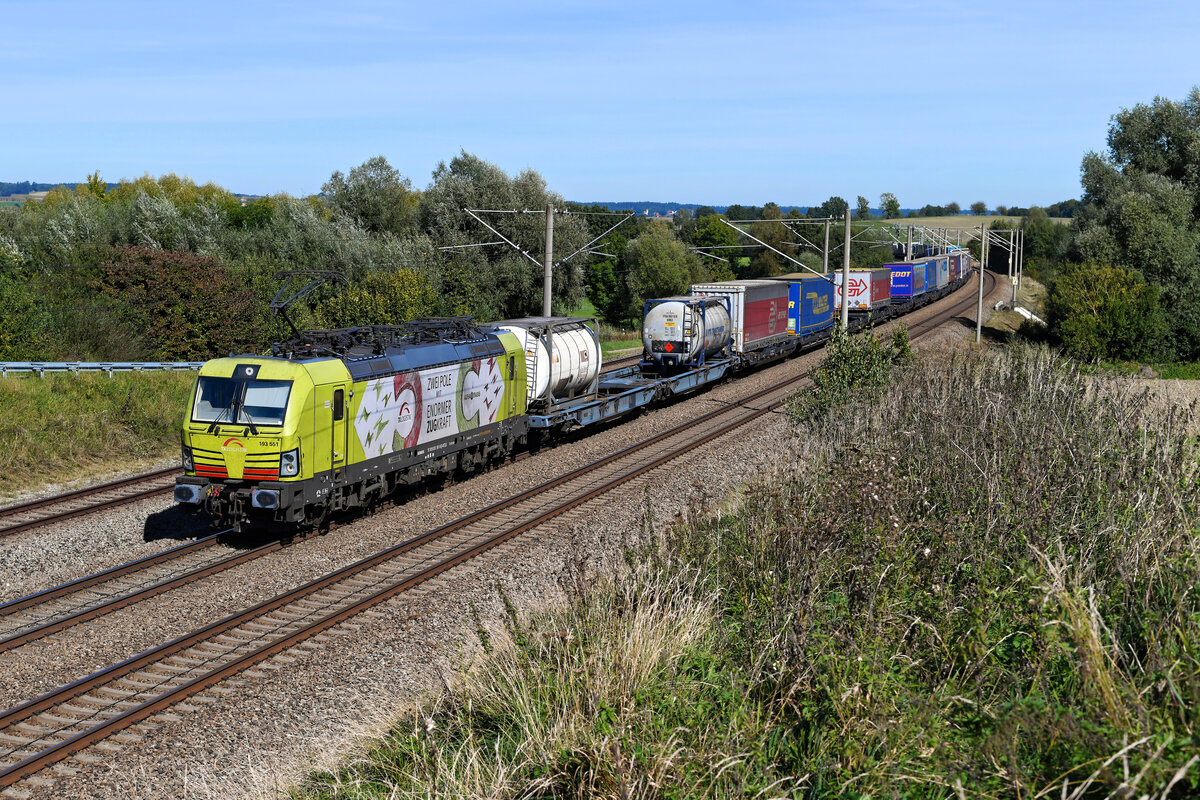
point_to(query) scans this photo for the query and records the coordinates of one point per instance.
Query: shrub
(1098, 311)
(853, 367)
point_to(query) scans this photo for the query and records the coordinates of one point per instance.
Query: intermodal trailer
(810, 305)
(758, 311)
(869, 289)
(908, 280)
(929, 265)
(942, 271)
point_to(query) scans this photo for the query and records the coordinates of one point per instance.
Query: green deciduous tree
(656, 264)
(1141, 204)
(834, 207)
(1102, 311)
(864, 209)
(978, 208)
(375, 195)
(384, 297)
(890, 205)
(497, 281)
(1046, 243)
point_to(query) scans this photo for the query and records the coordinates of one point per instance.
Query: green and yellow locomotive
(338, 419)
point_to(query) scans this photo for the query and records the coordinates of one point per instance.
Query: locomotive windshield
(257, 402)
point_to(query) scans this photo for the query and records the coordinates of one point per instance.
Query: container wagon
(870, 289)
(810, 306)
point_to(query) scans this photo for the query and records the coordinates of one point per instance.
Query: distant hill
(1066, 208)
(25, 187)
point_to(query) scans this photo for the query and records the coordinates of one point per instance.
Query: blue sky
(685, 101)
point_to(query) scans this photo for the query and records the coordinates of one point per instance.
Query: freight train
(339, 419)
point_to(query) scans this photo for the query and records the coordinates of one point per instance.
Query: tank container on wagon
(869, 289)
(678, 331)
(908, 279)
(562, 356)
(810, 305)
(757, 311)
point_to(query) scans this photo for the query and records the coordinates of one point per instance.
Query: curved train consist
(339, 419)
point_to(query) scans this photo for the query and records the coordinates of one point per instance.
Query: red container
(758, 311)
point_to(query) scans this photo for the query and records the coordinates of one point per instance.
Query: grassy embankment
(612, 340)
(982, 585)
(63, 427)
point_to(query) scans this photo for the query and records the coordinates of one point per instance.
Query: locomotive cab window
(240, 402)
(339, 404)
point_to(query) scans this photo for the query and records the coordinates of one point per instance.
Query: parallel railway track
(47, 510)
(50, 728)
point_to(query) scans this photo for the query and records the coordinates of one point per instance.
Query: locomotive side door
(332, 409)
(338, 429)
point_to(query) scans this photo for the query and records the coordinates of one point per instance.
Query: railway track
(618, 363)
(50, 728)
(34, 616)
(47, 510)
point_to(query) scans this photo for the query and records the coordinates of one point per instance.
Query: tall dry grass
(982, 584)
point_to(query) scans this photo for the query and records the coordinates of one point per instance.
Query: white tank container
(562, 355)
(678, 330)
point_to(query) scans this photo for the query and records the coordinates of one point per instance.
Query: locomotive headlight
(188, 464)
(289, 463)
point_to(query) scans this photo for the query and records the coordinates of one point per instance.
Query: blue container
(810, 305)
(908, 280)
(931, 275)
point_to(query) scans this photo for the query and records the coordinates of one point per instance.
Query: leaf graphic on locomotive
(390, 415)
(482, 384)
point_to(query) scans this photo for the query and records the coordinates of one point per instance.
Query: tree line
(164, 268)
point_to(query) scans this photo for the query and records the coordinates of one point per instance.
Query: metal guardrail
(42, 367)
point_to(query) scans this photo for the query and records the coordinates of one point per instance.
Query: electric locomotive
(337, 419)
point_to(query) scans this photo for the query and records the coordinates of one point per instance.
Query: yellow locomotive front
(255, 430)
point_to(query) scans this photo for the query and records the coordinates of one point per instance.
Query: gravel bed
(264, 728)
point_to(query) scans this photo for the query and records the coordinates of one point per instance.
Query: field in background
(960, 222)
